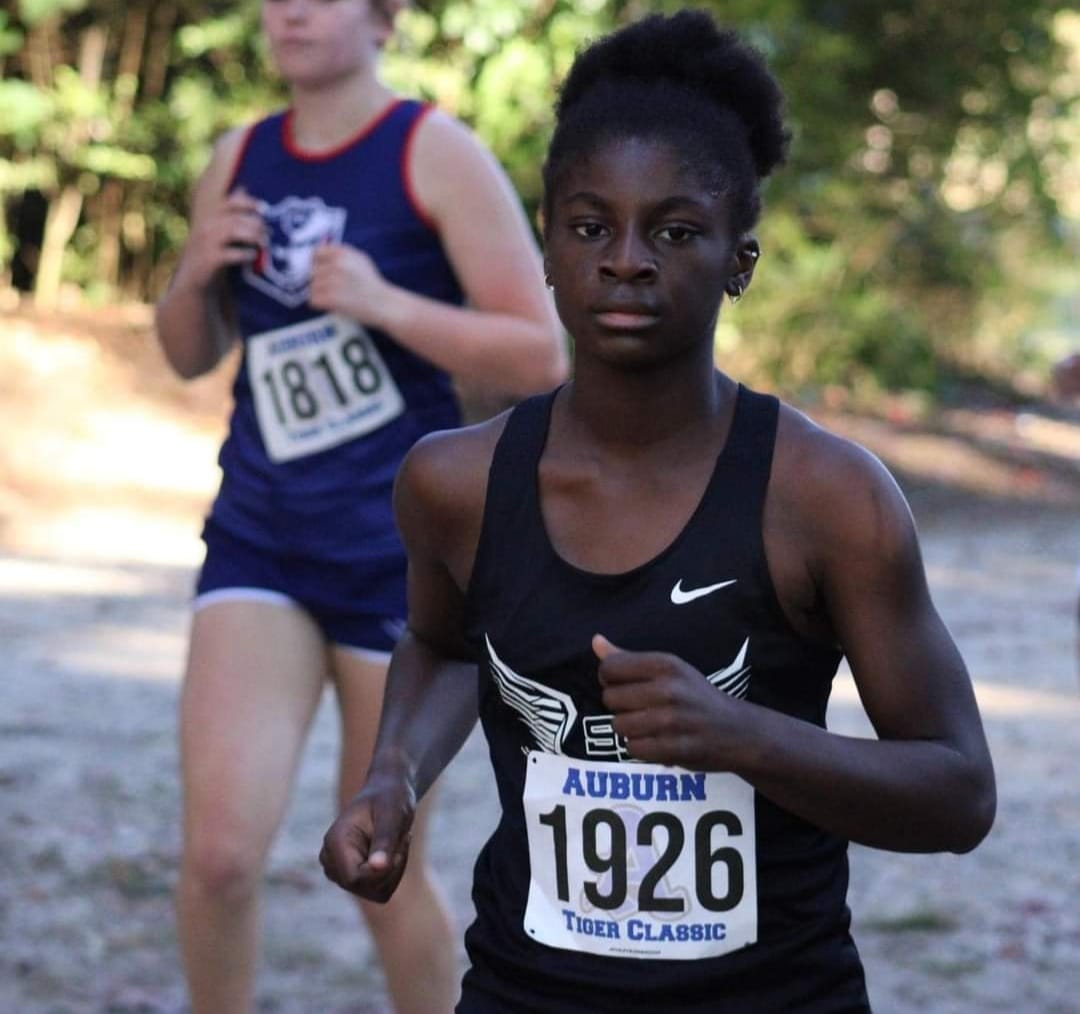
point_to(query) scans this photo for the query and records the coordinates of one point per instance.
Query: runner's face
(319, 41)
(638, 251)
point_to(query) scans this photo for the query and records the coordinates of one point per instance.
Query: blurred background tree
(925, 229)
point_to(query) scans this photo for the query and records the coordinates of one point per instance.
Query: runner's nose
(628, 259)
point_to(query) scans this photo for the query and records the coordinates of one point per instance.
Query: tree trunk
(138, 267)
(157, 66)
(7, 244)
(92, 47)
(129, 68)
(37, 56)
(109, 207)
(60, 225)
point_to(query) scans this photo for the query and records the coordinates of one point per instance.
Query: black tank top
(707, 598)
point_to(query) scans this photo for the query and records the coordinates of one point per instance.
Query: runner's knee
(223, 866)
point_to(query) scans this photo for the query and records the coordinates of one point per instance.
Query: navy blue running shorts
(354, 608)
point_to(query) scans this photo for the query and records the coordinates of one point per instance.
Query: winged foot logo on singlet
(550, 714)
(296, 227)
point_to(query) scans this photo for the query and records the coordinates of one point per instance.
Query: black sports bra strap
(746, 461)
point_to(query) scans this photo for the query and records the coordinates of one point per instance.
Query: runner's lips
(626, 318)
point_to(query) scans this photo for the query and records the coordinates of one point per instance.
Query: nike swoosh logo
(680, 596)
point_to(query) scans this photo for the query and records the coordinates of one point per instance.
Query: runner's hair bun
(690, 52)
(684, 81)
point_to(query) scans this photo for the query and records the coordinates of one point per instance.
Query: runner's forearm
(191, 328)
(904, 795)
(517, 355)
(429, 710)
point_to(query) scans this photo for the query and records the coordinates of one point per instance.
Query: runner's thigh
(255, 674)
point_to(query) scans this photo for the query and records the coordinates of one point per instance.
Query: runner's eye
(589, 230)
(677, 234)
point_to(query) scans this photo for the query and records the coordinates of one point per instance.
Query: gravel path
(93, 592)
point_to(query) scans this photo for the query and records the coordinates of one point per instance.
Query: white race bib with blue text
(318, 384)
(639, 860)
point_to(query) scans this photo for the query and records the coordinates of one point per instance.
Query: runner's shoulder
(439, 134)
(228, 144)
(226, 153)
(214, 182)
(444, 476)
(448, 165)
(841, 493)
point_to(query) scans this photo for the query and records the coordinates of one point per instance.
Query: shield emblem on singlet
(296, 227)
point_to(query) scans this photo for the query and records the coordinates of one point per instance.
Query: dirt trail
(105, 467)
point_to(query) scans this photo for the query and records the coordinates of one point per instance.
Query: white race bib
(639, 860)
(318, 384)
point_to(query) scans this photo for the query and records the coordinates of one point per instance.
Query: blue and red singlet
(325, 408)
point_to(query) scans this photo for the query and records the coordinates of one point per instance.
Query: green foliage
(33, 11)
(920, 225)
(10, 37)
(118, 163)
(24, 110)
(222, 35)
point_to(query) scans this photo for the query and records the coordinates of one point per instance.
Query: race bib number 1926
(639, 860)
(318, 384)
